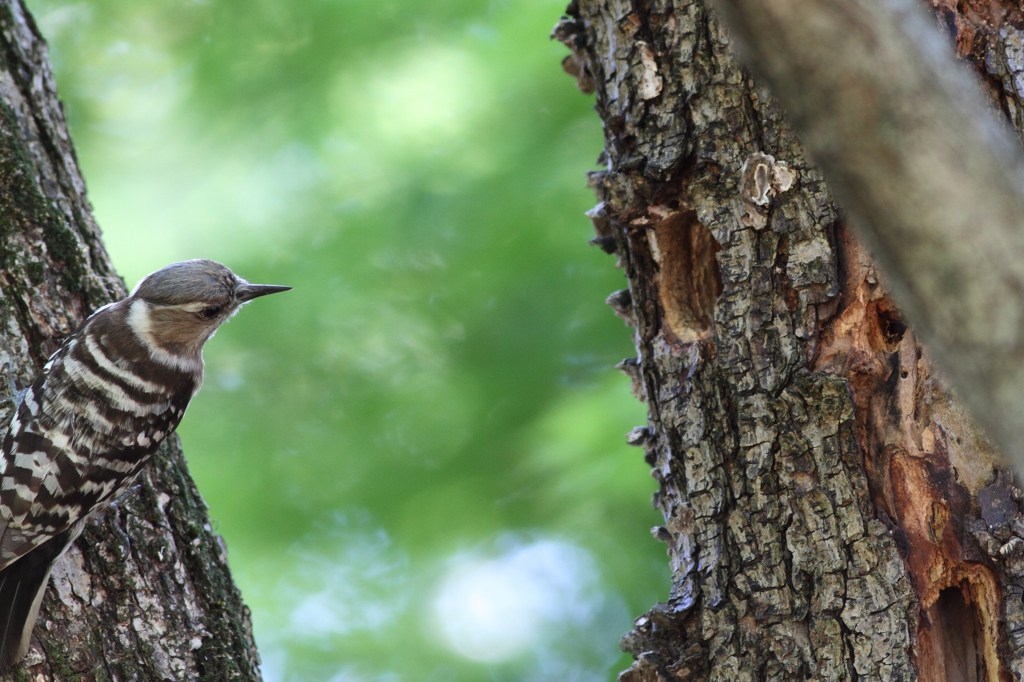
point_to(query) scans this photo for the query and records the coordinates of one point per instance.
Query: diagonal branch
(932, 180)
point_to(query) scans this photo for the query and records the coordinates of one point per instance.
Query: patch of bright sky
(517, 600)
(522, 599)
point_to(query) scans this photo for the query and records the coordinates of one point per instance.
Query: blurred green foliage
(417, 456)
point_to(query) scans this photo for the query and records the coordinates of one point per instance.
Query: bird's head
(178, 308)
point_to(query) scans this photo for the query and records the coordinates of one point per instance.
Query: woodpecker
(82, 432)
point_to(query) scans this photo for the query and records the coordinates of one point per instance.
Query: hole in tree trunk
(688, 280)
(887, 324)
(954, 633)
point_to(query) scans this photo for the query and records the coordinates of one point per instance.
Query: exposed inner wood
(925, 460)
(688, 278)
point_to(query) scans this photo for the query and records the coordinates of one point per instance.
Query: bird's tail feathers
(22, 585)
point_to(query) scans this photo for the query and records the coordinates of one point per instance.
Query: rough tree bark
(146, 594)
(830, 511)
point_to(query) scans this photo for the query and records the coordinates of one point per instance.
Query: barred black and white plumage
(105, 401)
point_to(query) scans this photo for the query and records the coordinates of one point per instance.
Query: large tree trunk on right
(830, 511)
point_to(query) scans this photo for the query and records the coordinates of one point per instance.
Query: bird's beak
(247, 292)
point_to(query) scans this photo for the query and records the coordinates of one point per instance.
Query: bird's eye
(210, 312)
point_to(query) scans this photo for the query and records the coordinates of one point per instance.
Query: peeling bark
(146, 593)
(831, 512)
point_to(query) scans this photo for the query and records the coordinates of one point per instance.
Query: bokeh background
(416, 457)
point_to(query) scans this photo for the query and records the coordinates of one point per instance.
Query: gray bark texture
(146, 593)
(831, 512)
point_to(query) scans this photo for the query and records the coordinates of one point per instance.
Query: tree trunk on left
(146, 593)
